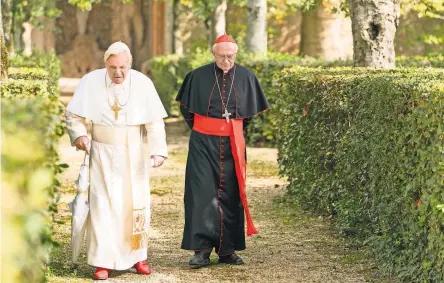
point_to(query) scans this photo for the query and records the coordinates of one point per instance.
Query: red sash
(234, 130)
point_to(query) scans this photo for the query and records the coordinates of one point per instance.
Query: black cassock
(214, 215)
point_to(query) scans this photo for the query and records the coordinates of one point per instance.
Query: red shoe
(101, 273)
(142, 267)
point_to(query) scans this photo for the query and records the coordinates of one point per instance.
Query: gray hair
(235, 46)
(117, 48)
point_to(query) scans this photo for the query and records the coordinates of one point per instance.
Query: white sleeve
(157, 138)
(76, 126)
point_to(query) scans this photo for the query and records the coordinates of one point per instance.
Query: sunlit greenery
(31, 126)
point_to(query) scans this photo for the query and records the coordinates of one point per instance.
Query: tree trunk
(6, 10)
(174, 42)
(82, 21)
(218, 22)
(256, 38)
(169, 27)
(326, 35)
(3, 52)
(4, 60)
(374, 24)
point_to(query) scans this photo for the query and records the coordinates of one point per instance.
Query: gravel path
(291, 246)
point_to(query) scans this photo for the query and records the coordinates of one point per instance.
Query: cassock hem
(113, 267)
(224, 253)
(196, 249)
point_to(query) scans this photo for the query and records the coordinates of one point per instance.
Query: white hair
(232, 43)
(117, 48)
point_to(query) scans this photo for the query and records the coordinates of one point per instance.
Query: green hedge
(433, 60)
(48, 62)
(168, 72)
(31, 126)
(367, 147)
(28, 74)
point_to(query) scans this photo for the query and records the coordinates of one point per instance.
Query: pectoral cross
(116, 110)
(227, 115)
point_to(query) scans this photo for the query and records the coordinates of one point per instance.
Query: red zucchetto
(224, 38)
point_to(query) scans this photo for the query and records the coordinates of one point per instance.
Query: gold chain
(115, 96)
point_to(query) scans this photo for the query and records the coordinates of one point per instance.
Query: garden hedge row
(368, 148)
(168, 72)
(31, 126)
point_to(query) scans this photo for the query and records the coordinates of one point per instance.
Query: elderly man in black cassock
(217, 101)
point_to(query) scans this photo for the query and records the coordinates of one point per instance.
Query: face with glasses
(225, 54)
(118, 67)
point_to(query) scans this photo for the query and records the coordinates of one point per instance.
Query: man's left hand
(157, 160)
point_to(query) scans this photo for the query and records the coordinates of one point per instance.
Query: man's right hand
(82, 143)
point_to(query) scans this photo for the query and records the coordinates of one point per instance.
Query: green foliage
(28, 73)
(31, 126)
(425, 8)
(4, 59)
(33, 11)
(86, 5)
(203, 9)
(261, 130)
(49, 62)
(367, 147)
(168, 72)
(433, 60)
(278, 9)
(25, 186)
(421, 24)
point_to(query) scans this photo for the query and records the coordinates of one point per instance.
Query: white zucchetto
(116, 48)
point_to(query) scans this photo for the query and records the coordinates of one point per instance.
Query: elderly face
(118, 67)
(225, 54)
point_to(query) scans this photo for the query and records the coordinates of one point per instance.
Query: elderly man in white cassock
(123, 106)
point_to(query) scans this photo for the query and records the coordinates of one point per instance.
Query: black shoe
(231, 259)
(200, 259)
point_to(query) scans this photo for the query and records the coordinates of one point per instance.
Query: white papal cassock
(119, 181)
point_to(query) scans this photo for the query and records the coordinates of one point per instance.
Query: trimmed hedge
(168, 72)
(367, 147)
(433, 61)
(28, 74)
(262, 129)
(31, 126)
(48, 62)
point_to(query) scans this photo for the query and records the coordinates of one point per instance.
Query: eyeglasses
(229, 57)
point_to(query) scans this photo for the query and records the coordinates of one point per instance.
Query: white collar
(109, 83)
